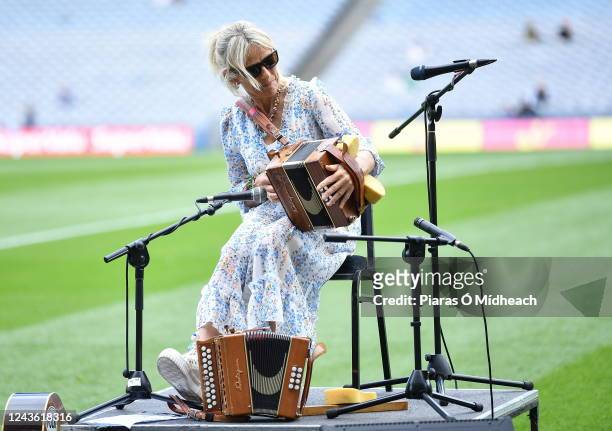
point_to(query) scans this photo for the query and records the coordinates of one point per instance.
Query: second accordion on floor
(254, 373)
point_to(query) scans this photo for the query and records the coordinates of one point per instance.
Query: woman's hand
(263, 181)
(337, 187)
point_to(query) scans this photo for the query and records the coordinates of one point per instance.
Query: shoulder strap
(261, 120)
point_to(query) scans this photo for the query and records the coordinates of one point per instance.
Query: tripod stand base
(439, 368)
(417, 415)
(417, 387)
(138, 388)
(527, 385)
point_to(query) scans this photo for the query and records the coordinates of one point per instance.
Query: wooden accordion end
(254, 373)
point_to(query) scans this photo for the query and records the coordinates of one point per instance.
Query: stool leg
(355, 329)
(384, 349)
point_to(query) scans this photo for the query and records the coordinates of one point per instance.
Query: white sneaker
(181, 371)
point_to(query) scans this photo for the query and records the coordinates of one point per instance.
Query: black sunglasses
(268, 62)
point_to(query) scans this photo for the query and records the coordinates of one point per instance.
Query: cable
(127, 317)
(484, 319)
(427, 162)
(214, 206)
(450, 361)
(430, 211)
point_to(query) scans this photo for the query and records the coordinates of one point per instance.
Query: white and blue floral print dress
(270, 271)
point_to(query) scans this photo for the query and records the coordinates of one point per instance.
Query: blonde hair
(228, 49)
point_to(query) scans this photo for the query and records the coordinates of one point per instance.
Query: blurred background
(89, 88)
(143, 63)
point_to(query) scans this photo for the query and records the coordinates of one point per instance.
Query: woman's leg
(288, 269)
(273, 274)
(222, 302)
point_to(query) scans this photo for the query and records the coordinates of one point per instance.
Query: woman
(269, 272)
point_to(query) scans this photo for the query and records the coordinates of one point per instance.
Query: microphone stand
(433, 114)
(138, 385)
(438, 361)
(417, 385)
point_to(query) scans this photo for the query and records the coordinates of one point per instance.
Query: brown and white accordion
(297, 169)
(254, 373)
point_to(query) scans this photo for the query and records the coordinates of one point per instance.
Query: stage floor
(507, 403)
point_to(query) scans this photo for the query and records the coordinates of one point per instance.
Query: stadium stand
(144, 62)
(132, 62)
(372, 75)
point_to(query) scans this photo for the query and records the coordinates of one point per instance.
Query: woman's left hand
(337, 187)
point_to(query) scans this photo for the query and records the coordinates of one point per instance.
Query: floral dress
(270, 271)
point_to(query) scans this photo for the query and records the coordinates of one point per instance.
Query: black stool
(357, 268)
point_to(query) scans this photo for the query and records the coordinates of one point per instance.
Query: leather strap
(179, 406)
(262, 121)
(319, 350)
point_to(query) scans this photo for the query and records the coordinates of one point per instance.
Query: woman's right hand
(262, 180)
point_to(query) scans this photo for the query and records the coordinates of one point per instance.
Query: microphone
(435, 231)
(257, 194)
(420, 73)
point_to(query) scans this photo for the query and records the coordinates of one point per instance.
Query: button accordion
(297, 169)
(254, 373)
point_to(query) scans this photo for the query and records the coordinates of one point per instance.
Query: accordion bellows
(254, 373)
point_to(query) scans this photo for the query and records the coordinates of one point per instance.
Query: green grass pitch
(61, 315)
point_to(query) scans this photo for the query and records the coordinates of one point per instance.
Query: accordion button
(214, 397)
(293, 368)
(299, 370)
(299, 375)
(290, 386)
(210, 406)
(293, 374)
(212, 391)
(297, 382)
(292, 380)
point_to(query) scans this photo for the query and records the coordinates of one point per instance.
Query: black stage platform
(508, 403)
